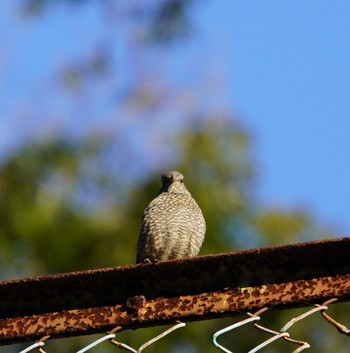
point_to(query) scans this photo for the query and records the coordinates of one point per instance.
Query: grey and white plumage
(172, 225)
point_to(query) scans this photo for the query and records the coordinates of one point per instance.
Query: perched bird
(172, 225)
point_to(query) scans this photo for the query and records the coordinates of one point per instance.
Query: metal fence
(312, 274)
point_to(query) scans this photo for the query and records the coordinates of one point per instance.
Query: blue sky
(288, 77)
(281, 66)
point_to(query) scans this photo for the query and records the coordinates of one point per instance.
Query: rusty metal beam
(188, 289)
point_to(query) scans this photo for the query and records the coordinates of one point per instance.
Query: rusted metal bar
(188, 289)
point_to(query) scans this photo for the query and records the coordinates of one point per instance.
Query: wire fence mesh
(251, 319)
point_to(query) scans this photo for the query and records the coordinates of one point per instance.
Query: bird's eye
(181, 180)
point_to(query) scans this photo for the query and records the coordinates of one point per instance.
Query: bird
(172, 225)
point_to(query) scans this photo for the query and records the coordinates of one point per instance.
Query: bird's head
(173, 181)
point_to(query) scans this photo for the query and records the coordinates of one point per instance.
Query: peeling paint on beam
(145, 313)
